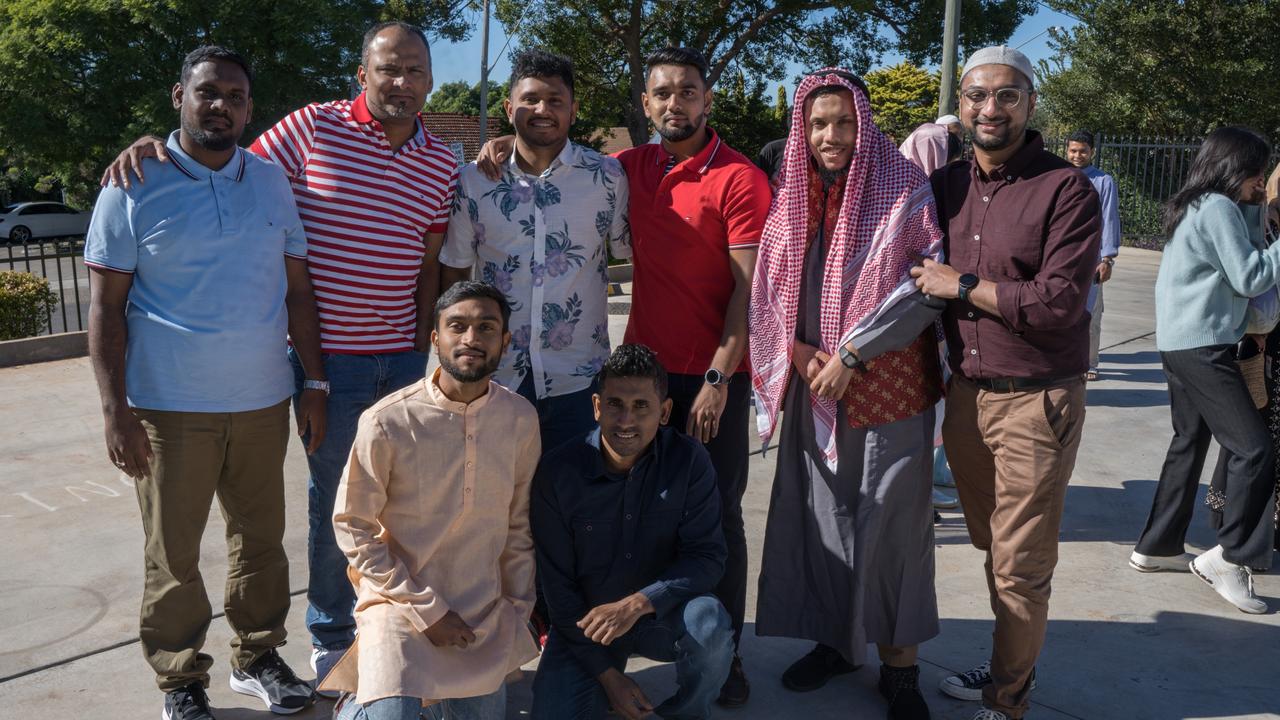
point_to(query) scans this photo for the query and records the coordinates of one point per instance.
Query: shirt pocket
(595, 544)
(1013, 251)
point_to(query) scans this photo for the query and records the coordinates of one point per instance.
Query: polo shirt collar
(701, 162)
(360, 113)
(439, 399)
(1012, 169)
(189, 166)
(567, 157)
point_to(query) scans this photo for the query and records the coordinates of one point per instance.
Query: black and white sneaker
(271, 681)
(969, 685)
(187, 703)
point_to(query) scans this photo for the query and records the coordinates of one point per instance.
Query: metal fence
(1148, 171)
(61, 262)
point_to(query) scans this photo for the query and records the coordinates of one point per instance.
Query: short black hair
(1082, 136)
(634, 361)
(472, 290)
(211, 53)
(372, 33)
(677, 56)
(538, 63)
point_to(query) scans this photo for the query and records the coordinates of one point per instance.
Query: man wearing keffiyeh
(844, 345)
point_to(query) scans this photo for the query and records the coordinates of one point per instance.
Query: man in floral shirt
(542, 234)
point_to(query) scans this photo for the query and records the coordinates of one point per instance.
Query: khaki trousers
(240, 458)
(1012, 455)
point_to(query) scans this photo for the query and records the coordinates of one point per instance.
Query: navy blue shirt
(601, 536)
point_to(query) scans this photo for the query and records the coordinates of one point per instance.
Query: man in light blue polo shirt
(199, 282)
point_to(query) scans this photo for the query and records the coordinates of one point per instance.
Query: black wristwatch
(852, 361)
(715, 378)
(968, 282)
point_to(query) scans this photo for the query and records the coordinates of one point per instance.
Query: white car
(29, 220)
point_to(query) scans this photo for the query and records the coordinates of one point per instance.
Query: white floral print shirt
(542, 241)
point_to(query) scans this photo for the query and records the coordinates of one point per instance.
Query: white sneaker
(1233, 582)
(989, 714)
(1158, 563)
(943, 501)
(322, 661)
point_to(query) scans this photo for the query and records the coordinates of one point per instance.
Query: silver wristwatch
(316, 385)
(715, 378)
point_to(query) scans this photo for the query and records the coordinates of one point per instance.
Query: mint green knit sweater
(1216, 260)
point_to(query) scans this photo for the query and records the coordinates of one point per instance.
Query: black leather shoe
(814, 670)
(736, 689)
(901, 687)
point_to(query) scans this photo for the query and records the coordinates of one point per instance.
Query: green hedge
(25, 303)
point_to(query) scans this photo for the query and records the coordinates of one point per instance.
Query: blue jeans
(698, 636)
(356, 382)
(485, 707)
(561, 418)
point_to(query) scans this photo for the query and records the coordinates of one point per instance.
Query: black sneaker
(187, 703)
(969, 685)
(270, 680)
(736, 689)
(901, 687)
(814, 670)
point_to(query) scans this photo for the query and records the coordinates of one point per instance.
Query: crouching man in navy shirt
(626, 524)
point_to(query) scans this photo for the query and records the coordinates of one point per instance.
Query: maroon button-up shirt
(1033, 227)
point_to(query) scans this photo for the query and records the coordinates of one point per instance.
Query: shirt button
(467, 490)
(471, 437)
(977, 237)
(628, 516)
(628, 556)
(986, 198)
(588, 528)
(469, 463)
(973, 351)
(970, 314)
(1009, 178)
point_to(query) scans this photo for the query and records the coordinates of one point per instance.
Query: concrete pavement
(1120, 644)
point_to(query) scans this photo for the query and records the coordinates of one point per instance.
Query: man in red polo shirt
(697, 208)
(373, 190)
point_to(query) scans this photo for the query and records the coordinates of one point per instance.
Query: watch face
(714, 377)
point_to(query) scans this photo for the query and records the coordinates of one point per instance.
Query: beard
(216, 141)
(389, 111)
(682, 133)
(489, 367)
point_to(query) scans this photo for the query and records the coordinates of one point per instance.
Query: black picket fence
(1148, 171)
(61, 262)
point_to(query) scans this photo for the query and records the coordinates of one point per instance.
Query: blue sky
(461, 61)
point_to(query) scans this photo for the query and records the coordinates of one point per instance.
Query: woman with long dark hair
(1214, 262)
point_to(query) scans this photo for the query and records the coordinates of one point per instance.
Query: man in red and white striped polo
(374, 191)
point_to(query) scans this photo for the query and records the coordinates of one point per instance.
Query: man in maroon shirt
(1021, 236)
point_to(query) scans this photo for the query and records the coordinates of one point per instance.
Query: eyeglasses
(1007, 98)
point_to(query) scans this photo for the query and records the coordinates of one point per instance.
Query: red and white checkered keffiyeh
(886, 221)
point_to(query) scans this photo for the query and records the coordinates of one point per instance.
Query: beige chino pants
(239, 457)
(1012, 455)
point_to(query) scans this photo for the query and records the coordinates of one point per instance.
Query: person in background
(1080, 152)
(952, 124)
(1215, 261)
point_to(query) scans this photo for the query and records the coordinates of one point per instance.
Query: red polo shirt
(683, 225)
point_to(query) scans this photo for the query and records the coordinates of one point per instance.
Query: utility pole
(950, 37)
(484, 75)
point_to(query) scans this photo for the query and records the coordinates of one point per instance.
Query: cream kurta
(433, 515)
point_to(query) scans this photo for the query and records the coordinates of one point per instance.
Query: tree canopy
(80, 79)
(609, 39)
(1152, 67)
(902, 98)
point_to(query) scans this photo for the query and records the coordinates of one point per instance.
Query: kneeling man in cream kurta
(437, 531)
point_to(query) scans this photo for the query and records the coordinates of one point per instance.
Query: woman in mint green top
(1215, 260)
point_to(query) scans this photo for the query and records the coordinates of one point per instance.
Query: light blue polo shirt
(206, 248)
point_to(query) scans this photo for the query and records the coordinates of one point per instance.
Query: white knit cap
(946, 120)
(1001, 55)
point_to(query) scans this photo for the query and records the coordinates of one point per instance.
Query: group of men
(429, 506)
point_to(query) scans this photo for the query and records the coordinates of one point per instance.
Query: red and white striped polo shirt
(366, 211)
